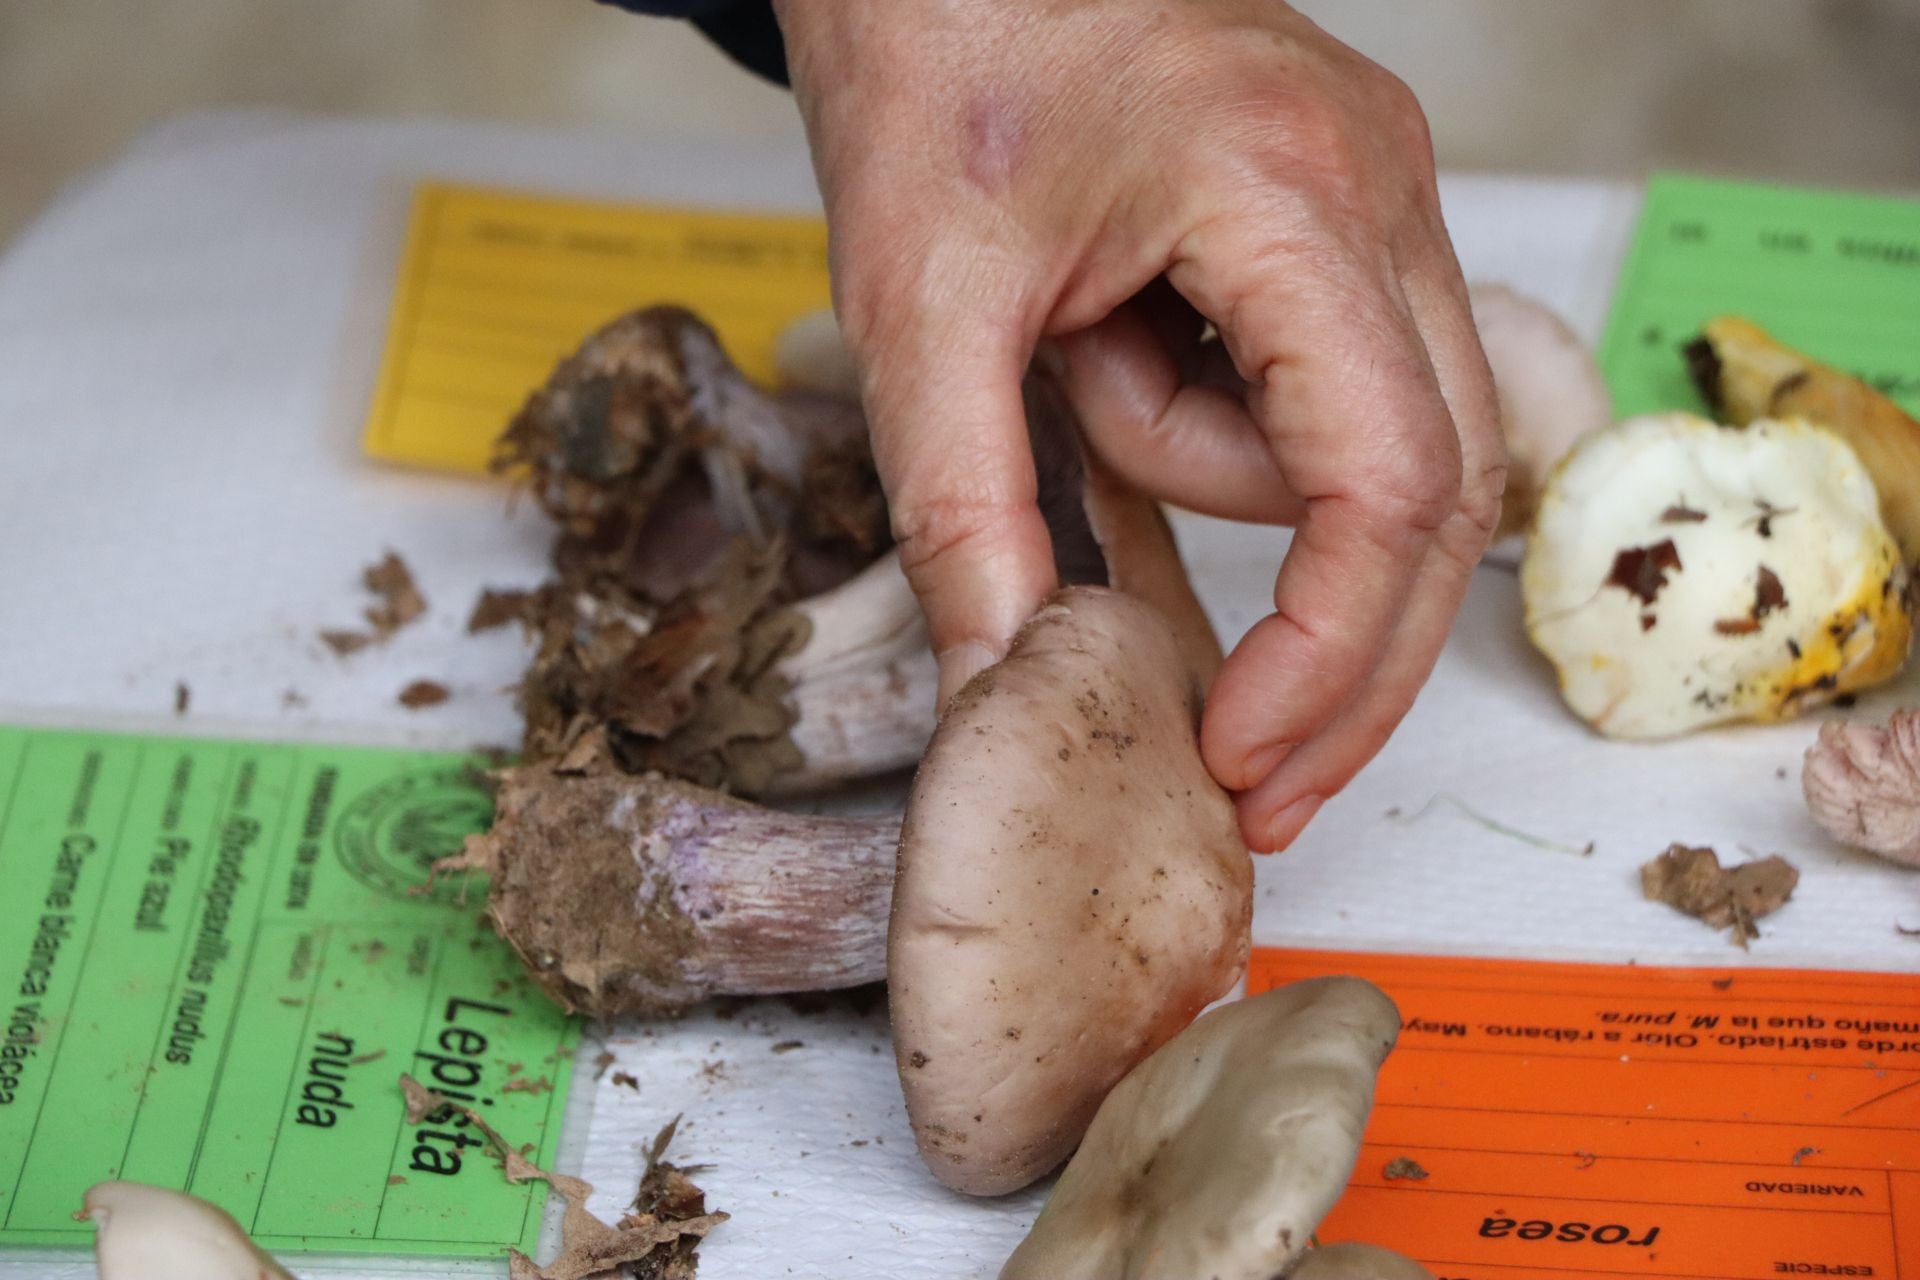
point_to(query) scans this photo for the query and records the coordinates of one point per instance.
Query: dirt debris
(528, 1084)
(655, 1242)
(397, 598)
(182, 697)
(345, 643)
(624, 1079)
(497, 606)
(423, 693)
(1691, 880)
(397, 602)
(1404, 1168)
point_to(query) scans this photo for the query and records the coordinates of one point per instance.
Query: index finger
(942, 390)
(1355, 420)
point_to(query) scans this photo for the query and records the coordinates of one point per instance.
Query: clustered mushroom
(723, 608)
(1218, 1155)
(1062, 832)
(1682, 574)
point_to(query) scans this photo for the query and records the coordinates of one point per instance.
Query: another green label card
(214, 967)
(1835, 275)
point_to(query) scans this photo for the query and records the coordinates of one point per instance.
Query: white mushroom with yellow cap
(1683, 574)
(1218, 1156)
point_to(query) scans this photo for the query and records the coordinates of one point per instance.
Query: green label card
(1836, 276)
(216, 959)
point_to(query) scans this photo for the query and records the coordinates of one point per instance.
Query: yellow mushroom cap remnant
(1683, 574)
(1746, 375)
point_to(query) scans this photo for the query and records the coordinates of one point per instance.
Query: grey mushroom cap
(1357, 1262)
(1072, 890)
(1219, 1155)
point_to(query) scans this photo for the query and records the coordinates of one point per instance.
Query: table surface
(188, 340)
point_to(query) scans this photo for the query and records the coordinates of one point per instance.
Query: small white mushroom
(1683, 574)
(1550, 387)
(152, 1233)
(1218, 1156)
(1862, 784)
(1072, 890)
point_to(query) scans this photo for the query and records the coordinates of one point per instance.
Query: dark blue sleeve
(744, 28)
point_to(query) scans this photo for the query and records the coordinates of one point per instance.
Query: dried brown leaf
(399, 599)
(1692, 880)
(653, 1244)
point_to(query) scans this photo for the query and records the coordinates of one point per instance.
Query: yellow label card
(495, 287)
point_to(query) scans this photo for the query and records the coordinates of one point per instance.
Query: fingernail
(960, 664)
(1259, 764)
(1286, 825)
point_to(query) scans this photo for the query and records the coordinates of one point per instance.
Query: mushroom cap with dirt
(1683, 574)
(1219, 1155)
(143, 1232)
(1072, 889)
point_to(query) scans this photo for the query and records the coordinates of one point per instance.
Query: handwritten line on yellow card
(495, 287)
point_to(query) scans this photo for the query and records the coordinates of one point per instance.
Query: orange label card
(495, 287)
(1543, 1120)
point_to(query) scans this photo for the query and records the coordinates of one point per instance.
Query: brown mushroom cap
(1357, 1262)
(1219, 1155)
(1072, 890)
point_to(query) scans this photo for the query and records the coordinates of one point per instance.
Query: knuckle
(1480, 499)
(929, 529)
(1415, 489)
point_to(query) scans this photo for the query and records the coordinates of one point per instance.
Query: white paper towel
(187, 344)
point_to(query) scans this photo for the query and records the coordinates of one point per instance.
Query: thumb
(942, 389)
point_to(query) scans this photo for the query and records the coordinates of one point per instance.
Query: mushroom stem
(863, 683)
(642, 895)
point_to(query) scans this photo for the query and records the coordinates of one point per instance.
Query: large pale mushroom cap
(1072, 890)
(1218, 1156)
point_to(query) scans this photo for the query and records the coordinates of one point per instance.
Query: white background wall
(1813, 90)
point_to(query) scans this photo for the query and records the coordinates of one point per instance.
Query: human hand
(1106, 173)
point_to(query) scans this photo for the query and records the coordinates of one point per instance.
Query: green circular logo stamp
(390, 836)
